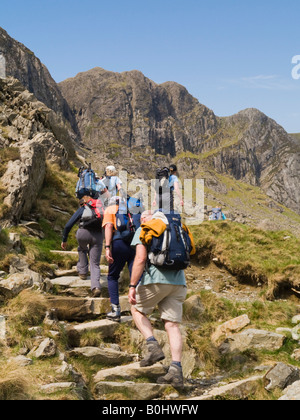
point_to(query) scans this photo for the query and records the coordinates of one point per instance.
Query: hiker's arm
(73, 220)
(178, 192)
(106, 193)
(154, 200)
(137, 271)
(109, 233)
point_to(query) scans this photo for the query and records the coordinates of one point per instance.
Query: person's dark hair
(173, 169)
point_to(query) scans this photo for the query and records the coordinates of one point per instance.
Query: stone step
(75, 253)
(132, 390)
(73, 271)
(130, 372)
(76, 282)
(105, 327)
(70, 308)
(106, 356)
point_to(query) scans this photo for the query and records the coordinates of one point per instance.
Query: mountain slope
(132, 115)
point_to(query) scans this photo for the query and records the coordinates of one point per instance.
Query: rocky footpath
(74, 314)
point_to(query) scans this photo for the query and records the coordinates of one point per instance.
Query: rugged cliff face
(131, 112)
(30, 135)
(22, 64)
(262, 154)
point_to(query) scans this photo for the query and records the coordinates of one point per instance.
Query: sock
(176, 364)
(151, 339)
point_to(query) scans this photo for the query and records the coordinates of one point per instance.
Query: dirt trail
(221, 282)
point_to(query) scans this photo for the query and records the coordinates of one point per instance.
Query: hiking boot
(96, 292)
(83, 276)
(115, 314)
(174, 377)
(154, 354)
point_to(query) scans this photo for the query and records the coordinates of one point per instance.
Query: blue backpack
(217, 214)
(87, 183)
(129, 217)
(172, 249)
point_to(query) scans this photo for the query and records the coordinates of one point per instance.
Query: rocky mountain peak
(22, 64)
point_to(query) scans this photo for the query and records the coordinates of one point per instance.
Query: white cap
(111, 170)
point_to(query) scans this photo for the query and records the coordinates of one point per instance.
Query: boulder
(104, 327)
(47, 348)
(239, 390)
(78, 309)
(252, 339)
(130, 372)
(291, 393)
(106, 356)
(132, 390)
(14, 284)
(281, 376)
(234, 325)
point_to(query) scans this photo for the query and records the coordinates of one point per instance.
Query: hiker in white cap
(112, 181)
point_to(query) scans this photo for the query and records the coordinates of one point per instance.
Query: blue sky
(229, 54)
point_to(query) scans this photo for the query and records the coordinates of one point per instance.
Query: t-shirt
(158, 275)
(172, 180)
(110, 217)
(111, 183)
(100, 186)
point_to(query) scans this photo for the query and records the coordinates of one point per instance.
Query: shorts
(168, 297)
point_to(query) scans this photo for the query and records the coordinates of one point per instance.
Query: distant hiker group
(156, 246)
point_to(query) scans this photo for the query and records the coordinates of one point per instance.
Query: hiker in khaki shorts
(165, 289)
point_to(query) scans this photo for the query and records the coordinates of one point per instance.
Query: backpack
(217, 214)
(92, 216)
(87, 183)
(166, 198)
(128, 218)
(162, 176)
(172, 249)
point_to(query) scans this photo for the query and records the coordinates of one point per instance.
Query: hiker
(216, 214)
(159, 286)
(167, 188)
(89, 184)
(118, 251)
(90, 242)
(111, 181)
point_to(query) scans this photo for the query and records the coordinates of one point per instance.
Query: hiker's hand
(64, 245)
(182, 203)
(108, 256)
(132, 296)
(154, 203)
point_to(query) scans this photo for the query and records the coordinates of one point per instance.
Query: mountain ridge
(138, 124)
(130, 110)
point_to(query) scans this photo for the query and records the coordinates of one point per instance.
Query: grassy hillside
(265, 258)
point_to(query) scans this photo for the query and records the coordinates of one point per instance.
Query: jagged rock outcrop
(39, 135)
(262, 154)
(130, 110)
(22, 64)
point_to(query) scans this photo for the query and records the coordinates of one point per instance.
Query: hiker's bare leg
(175, 340)
(142, 322)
